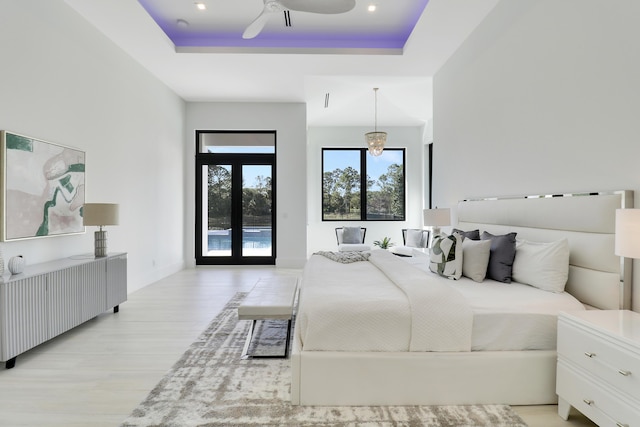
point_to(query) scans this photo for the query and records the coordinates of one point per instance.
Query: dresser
(48, 299)
(599, 366)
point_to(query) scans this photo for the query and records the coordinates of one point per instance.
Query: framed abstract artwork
(42, 188)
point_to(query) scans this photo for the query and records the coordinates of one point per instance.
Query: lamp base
(100, 244)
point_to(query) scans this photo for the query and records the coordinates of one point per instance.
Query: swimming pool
(258, 238)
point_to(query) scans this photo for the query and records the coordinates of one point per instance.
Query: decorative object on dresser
(100, 214)
(50, 298)
(436, 218)
(599, 366)
(16, 264)
(42, 188)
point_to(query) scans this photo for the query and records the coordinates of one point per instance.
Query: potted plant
(385, 243)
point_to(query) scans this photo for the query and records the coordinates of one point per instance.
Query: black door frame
(237, 161)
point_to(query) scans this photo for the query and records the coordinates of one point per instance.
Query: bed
(368, 333)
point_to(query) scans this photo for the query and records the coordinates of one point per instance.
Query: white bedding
(355, 307)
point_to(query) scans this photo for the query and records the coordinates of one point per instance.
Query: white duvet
(383, 304)
(356, 307)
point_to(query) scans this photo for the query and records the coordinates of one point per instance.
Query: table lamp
(436, 218)
(627, 238)
(100, 214)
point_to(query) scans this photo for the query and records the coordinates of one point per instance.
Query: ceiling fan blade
(257, 25)
(319, 6)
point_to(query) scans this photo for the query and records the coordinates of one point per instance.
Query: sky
(340, 159)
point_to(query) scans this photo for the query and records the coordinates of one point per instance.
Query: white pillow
(475, 258)
(414, 238)
(445, 256)
(542, 265)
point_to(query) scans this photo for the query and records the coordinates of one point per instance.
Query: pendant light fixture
(375, 140)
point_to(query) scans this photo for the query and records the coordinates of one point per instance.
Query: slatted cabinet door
(64, 302)
(116, 280)
(92, 281)
(23, 315)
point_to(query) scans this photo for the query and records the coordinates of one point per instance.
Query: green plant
(385, 243)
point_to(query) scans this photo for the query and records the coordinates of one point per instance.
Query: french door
(235, 194)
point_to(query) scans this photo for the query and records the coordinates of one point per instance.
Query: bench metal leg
(247, 343)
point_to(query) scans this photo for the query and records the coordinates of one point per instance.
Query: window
(378, 194)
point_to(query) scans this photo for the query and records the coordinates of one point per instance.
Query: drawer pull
(623, 372)
(588, 402)
(589, 354)
(622, 425)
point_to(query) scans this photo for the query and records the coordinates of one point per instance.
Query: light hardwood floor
(96, 374)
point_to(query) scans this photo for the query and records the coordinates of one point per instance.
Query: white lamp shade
(100, 214)
(437, 217)
(627, 241)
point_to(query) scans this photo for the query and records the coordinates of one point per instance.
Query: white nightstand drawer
(615, 364)
(595, 399)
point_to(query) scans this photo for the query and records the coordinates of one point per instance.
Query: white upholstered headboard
(597, 277)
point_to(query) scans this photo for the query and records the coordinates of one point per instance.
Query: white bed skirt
(328, 378)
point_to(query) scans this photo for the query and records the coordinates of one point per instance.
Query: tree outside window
(376, 195)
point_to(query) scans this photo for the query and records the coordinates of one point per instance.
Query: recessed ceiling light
(372, 8)
(201, 6)
(182, 23)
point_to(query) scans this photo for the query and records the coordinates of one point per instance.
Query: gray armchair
(412, 239)
(351, 239)
(415, 238)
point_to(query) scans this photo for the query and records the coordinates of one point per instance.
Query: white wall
(321, 235)
(289, 122)
(63, 81)
(541, 98)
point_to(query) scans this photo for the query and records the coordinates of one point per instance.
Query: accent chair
(351, 239)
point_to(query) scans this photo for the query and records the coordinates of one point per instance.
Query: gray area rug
(211, 386)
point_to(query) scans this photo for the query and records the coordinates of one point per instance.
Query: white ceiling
(268, 75)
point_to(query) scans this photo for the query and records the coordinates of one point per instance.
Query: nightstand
(599, 366)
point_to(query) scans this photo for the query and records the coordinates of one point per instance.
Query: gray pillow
(351, 235)
(472, 234)
(503, 252)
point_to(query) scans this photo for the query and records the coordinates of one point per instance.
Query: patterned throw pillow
(445, 256)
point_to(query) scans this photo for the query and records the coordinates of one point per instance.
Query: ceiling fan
(312, 6)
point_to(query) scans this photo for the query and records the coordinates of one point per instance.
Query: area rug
(211, 386)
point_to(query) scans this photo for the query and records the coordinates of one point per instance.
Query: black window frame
(363, 185)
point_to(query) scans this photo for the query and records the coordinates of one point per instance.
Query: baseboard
(136, 282)
(290, 262)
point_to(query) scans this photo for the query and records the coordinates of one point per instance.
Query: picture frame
(42, 186)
